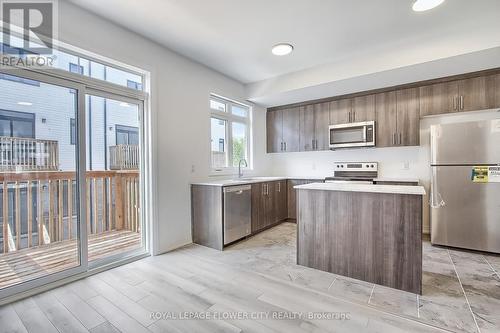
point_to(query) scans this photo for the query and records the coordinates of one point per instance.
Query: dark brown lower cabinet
(280, 201)
(291, 195)
(268, 204)
(374, 237)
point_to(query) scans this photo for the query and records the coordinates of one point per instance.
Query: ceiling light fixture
(25, 103)
(423, 5)
(282, 49)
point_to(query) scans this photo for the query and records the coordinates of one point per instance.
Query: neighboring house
(36, 110)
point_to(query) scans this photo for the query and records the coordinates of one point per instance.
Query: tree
(238, 150)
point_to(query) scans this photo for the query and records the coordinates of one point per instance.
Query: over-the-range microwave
(352, 135)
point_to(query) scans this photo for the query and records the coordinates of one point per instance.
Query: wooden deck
(30, 263)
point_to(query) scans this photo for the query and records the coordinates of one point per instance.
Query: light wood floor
(28, 264)
(253, 279)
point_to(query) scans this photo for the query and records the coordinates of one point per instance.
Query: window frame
(78, 66)
(27, 117)
(230, 118)
(125, 129)
(72, 131)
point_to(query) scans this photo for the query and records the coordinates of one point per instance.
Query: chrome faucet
(240, 172)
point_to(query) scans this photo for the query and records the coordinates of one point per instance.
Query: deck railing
(40, 207)
(26, 154)
(124, 157)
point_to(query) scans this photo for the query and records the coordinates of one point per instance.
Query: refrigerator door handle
(436, 200)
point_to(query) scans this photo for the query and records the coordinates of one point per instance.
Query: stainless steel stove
(354, 172)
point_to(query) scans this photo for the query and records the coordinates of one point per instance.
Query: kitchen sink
(250, 179)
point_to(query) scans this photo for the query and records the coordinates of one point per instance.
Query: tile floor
(461, 289)
(461, 294)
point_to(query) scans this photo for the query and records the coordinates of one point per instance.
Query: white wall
(391, 160)
(179, 106)
(379, 70)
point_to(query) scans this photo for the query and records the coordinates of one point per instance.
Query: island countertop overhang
(367, 188)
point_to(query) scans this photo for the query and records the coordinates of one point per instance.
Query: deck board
(28, 264)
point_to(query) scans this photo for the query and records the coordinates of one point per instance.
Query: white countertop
(394, 189)
(236, 181)
(248, 180)
(397, 180)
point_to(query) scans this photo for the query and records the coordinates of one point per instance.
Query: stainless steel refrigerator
(464, 213)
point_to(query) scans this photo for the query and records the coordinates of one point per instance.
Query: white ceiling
(235, 36)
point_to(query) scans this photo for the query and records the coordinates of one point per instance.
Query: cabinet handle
(353, 116)
(455, 103)
(312, 144)
(394, 139)
(279, 187)
(349, 117)
(285, 146)
(400, 138)
(267, 189)
(316, 144)
(461, 102)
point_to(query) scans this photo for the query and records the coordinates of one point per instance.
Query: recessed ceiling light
(282, 49)
(423, 5)
(25, 103)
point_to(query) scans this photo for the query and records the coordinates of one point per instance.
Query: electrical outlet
(406, 165)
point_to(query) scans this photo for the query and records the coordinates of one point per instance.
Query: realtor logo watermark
(29, 29)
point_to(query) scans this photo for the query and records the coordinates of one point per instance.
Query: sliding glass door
(114, 163)
(71, 179)
(40, 230)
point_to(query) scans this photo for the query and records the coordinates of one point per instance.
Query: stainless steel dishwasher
(237, 212)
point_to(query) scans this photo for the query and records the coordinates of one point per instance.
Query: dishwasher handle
(237, 189)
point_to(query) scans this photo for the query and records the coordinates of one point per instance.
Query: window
(230, 132)
(75, 68)
(127, 135)
(221, 145)
(72, 131)
(17, 124)
(134, 85)
(12, 78)
(89, 67)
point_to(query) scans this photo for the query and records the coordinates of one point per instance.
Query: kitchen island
(367, 232)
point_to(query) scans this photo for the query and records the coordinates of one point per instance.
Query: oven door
(352, 135)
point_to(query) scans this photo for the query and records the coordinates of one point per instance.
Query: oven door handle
(365, 133)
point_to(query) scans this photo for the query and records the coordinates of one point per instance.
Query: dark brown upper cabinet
(340, 111)
(283, 130)
(476, 93)
(291, 128)
(439, 98)
(274, 130)
(314, 122)
(396, 111)
(408, 117)
(386, 122)
(352, 110)
(307, 126)
(363, 109)
(398, 118)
